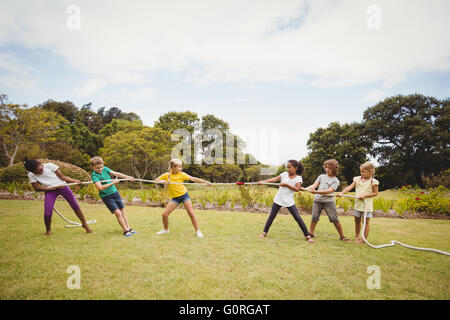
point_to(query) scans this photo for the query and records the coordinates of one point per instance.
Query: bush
(434, 181)
(304, 200)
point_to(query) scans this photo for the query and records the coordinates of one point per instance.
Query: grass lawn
(230, 262)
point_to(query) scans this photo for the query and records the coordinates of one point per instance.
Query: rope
(71, 223)
(393, 242)
(185, 183)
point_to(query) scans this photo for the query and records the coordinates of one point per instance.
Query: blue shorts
(113, 202)
(185, 197)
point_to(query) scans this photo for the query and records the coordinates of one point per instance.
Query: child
(291, 182)
(366, 188)
(109, 194)
(178, 194)
(327, 183)
(48, 178)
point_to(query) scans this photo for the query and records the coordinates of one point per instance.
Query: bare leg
(125, 219)
(80, 216)
(338, 227)
(366, 231)
(312, 227)
(357, 230)
(190, 210)
(165, 216)
(120, 218)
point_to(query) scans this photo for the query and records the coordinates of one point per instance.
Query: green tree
(143, 153)
(346, 143)
(411, 135)
(120, 125)
(66, 109)
(21, 127)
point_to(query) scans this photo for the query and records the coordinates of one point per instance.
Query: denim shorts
(185, 197)
(360, 214)
(113, 202)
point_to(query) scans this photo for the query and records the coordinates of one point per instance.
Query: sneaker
(132, 231)
(127, 234)
(163, 231)
(199, 234)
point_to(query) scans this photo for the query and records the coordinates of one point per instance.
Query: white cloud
(374, 96)
(322, 42)
(90, 87)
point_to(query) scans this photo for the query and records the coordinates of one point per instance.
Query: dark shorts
(185, 197)
(113, 202)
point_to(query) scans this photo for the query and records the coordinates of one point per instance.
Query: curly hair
(333, 165)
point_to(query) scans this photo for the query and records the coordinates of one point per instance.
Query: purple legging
(50, 198)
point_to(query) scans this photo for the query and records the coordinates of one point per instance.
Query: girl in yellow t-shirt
(366, 188)
(178, 194)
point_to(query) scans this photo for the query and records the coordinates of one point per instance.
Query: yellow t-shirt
(363, 188)
(175, 190)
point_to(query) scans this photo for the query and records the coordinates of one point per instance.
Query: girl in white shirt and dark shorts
(291, 181)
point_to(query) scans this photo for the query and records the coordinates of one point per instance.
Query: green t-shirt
(104, 176)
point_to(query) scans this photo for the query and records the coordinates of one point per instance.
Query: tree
(144, 153)
(171, 121)
(21, 127)
(120, 125)
(66, 109)
(412, 136)
(346, 143)
(116, 113)
(90, 118)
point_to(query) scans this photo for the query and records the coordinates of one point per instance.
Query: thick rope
(393, 242)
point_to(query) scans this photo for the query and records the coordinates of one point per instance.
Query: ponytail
(298, 165)
(30, 164)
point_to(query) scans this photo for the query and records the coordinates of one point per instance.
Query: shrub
(304, 200)
(383, 204)
(441, 179)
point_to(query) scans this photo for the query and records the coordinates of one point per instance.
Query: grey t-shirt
(325, 183)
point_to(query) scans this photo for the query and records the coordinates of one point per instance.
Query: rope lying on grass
(393, 242)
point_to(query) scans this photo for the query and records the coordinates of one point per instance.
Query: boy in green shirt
(108, 192)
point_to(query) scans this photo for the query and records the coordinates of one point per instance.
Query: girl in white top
(366, 188)
(291, 181)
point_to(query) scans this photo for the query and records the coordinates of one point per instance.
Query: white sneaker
(199, 234)
(163, 231)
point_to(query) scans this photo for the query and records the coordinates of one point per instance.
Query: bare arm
(295, 188)
(121, 175)
(66, 179)
(38, 187)
(271, 180)
(102, 187)
(311, 187)
(198, 180)
(349, 188)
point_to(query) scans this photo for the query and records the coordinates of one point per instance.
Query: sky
(276, 69)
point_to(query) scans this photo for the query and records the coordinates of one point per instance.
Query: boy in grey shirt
(326, 184)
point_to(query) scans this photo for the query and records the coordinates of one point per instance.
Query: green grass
(229, 263)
